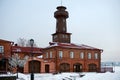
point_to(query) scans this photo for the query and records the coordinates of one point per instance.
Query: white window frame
(1, 49)
(82, 55)
(60, 54)
(89, 56)
(71, 54)
(46, 54)
(51, 54)
(96, 55)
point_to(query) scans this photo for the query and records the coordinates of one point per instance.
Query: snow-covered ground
(73, 76)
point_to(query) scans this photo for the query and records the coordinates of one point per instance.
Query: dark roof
(18, 49)
(71, 45)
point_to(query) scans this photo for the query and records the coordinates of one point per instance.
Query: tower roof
(61, 8)
(61, 12)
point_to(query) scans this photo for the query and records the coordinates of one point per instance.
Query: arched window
(96, 55)
(89, 56)
(46, 54)
(1, 49)
(50, 54)
(60, 54)
(71, 54)
(82, 55)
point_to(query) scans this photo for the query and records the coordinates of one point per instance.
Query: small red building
(26, 51)
(38, 62)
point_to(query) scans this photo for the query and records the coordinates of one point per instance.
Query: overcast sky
(92, 22)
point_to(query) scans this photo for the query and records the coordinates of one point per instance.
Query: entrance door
(64, 67)
(3, 65)
(34, 66)
(77, 67)
(20, 69)
(92, 67)
(47, 68)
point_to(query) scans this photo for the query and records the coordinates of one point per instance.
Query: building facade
(73, 58)
(67, 56)
(33, 57)
(5, 54)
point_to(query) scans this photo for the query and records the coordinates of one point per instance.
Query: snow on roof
(18, 49)
(70, 45)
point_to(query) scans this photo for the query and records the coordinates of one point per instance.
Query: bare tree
(24, 43)
(21, 42)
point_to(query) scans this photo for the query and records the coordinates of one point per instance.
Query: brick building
(5, 53)
(67, 56)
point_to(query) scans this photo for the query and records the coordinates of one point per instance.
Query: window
(96, 55)
(66, 36)
(63, 36)
(63, 28)
(57, 29)
(57, 24)
(55, 36)
(71, 54)
(1, 49)
(63, 20)
(60, 54)
(89, 56)
(18, 50)
(46, 54)
(50, 54)
(81, 55)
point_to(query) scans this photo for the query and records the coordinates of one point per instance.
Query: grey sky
(92, 22)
